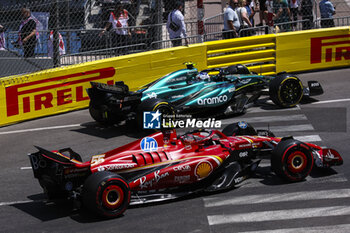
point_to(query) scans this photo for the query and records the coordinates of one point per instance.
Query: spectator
(262, 9)
(294, 10)
(61, 48)
(250, 11)
(282, 15)
(307, 14)
(118, 19)
(243, 18)
(27, 33)
(269, 13)
(176, 25)
(2, 38)
(231, 21)
(327, 11)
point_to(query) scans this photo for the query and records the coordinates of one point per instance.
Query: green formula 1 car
(188, 91)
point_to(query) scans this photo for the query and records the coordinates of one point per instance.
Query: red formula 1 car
(164, 166)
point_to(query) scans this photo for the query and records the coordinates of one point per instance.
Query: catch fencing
(79, 24)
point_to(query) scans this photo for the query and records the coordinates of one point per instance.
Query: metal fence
(78, 25)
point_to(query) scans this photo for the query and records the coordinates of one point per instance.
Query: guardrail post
(56, 51)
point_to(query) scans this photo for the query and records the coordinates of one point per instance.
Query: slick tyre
(153, 105)
(106, 194)
(292, 160)
(239, 128)
(99, 113)
(286, 90)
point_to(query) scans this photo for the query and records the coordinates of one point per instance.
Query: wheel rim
(113, 196)
(297, 162)
(290, 92)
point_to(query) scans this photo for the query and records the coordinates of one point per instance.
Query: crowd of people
(238, 22)
(281, 15)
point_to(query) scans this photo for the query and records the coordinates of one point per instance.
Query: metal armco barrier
(258, 53)
(24, 97)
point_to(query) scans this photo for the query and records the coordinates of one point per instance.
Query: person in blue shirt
(327, 11)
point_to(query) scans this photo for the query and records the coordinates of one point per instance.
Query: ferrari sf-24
(165, 166)
(222, 91)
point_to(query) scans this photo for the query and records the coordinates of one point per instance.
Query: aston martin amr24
(188, 91)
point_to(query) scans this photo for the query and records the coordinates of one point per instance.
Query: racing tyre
(239, 128)
(292, 160)
(99, 114)
(286, 90)
(153, 105)
(106, 194)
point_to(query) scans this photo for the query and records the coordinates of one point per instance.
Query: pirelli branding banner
(26, 98)
(314, 49)
(64, 89)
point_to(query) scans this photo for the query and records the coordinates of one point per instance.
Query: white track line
(343, 228)
(291, 118)
(40, 129)
(277, 197)
(25, 168)
(279, 215)
(18, 202)
(331, 101)
(256, 183)
(308, 138)
(291, 128)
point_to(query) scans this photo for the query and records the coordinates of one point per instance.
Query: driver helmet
(187, 139)
(202, 76)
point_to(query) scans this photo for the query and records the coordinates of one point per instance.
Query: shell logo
(203, 169)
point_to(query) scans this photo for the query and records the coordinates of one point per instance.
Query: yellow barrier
(53, 91)
(257, 50)
(313, 49)
(25, 97)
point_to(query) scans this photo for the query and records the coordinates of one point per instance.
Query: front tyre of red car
(106, 194)
(292, 160)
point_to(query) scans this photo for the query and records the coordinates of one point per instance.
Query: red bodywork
(176, 161)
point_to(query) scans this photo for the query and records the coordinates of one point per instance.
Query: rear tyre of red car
(106, 194)
(292, 160)
(286, 90)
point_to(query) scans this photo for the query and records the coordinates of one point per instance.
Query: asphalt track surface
(262, 203)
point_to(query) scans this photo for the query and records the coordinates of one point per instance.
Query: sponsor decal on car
(144, 183)
(115, 167)
(183, 168)
(203, 169)
(243, 154)
(152, 95)
(212, 100)
(182, 179)
(148, 144)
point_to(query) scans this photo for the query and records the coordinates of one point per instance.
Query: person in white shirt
(118, 19)
(243, 18)
(231, 21)
(176, 25)
(294, 10)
